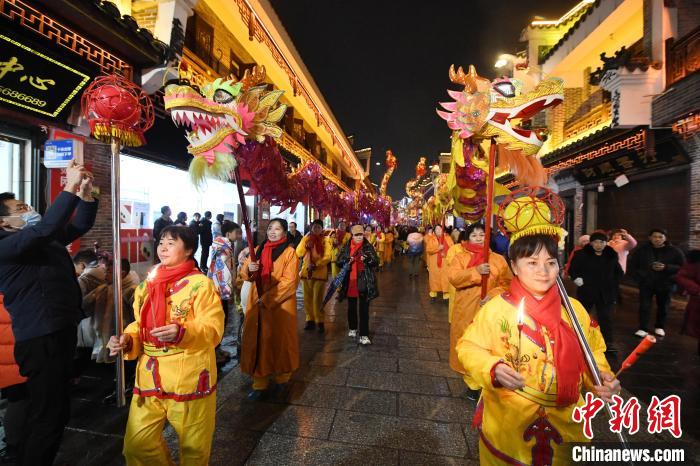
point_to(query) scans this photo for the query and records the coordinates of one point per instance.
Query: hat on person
(357, 229)
(599, 235)
(584, 238)
(531, 215)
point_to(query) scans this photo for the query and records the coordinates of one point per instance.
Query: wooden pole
(246, 225)
(115, 147)
(489, 213)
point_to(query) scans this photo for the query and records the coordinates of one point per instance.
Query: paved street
(394, 402)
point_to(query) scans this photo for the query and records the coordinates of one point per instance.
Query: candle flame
(521, 311)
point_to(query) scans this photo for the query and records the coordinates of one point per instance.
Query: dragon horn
(252, 77)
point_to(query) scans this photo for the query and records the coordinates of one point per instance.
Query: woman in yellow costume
(436, 247)
(315, 252)
(381, 244)
(270, 344)
(341, 239)
(389, 238)
(531, 383)
(179, 322)
(464, 272)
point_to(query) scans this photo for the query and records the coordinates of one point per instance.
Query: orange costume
(270, 343)
(463, 275)
(437, 264)
(388, 247)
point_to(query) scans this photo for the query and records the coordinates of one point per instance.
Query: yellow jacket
(507, 414)
(466, 282)
(320, 262)
(188, 370)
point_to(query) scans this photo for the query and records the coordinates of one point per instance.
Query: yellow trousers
(334, 269)
(192, 420)
(313, 299)
(434, 294)
(261, 383)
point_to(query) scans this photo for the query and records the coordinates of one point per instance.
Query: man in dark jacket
(294, 234)
(163, 221)
(596, 271)
(205, 239)
(43, 298)
(653, 266)
(195, 226)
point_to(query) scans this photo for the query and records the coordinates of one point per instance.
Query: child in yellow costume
(270, 348)
(315, 252)
(531, 384)
(179, 322)
(436, 247)
(341, 239)
(464, 271)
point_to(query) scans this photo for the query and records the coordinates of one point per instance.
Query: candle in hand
(521, 318)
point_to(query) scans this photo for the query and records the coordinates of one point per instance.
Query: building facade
(148, 42)
(622, 147)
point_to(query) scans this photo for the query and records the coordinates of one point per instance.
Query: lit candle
(521, 319)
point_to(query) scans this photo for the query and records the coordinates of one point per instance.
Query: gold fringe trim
(127, 137)
(549, 229)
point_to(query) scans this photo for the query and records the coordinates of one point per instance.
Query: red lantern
(117, 109)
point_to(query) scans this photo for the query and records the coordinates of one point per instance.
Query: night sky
(382, 65)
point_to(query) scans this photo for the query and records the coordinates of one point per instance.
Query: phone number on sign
(22, 96)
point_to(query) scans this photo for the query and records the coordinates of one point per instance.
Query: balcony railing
(682, 56)
(597, 116)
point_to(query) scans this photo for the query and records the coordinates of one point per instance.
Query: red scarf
(266, 259)
(357, 266)
(317, 242)
(153, 311)
(568, 358)
(477, 250)
(441, 253)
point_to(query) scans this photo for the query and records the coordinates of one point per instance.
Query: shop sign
(36, 82)
(626, 162)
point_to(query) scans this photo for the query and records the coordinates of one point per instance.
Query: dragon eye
(222, 97)
(506, 89)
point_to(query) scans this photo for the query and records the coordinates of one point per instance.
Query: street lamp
(506, 61)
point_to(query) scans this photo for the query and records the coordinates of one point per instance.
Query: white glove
(578, 281)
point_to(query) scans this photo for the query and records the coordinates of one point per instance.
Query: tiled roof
(570, 31)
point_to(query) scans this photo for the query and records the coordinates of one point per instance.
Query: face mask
(19, 222)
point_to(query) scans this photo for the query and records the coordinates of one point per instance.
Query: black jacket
(600, 274)
(205, 234)
(639, 266)
(296, 238)
(37, 275)
(158, 226)
(367, 280)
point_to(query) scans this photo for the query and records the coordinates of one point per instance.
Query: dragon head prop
(221, 116)
(485, 109)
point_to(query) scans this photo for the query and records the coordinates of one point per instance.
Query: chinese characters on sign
(35, 82)
(626, 162)
(662, 415)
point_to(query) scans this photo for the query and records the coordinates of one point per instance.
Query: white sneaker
(365, 341)
(641, 333)
(660, 332)
(352, 333)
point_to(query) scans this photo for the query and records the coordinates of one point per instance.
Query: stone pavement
(394, 402)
